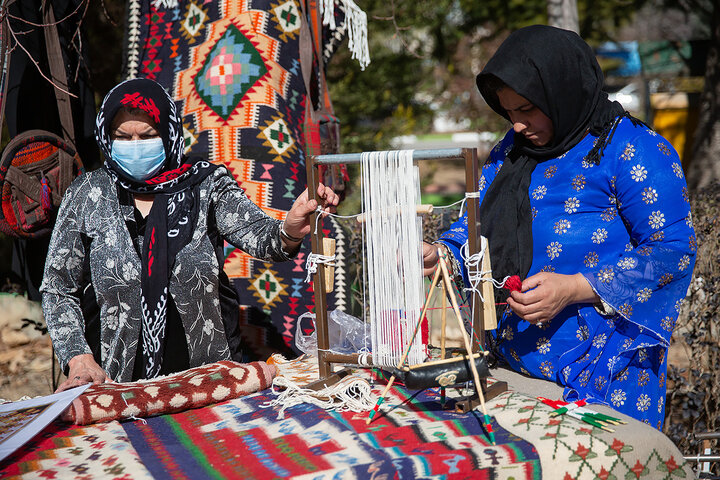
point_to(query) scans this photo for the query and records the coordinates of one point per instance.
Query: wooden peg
(488, 309)
(328, 249)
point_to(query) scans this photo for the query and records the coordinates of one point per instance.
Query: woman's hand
(297, 222)
(83, 369)
(431, 255)
(545, 294)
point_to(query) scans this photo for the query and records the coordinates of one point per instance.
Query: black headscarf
(173, 215)
(557, 72)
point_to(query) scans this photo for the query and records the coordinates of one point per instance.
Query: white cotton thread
(352, 393)
(393, 243)
(475, 194)
(133, 417)
(312, 262)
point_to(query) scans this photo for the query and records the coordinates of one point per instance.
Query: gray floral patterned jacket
(91, 243)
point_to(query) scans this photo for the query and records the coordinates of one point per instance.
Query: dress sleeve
(64, 277)
(650, 277)
(244, 224)
(455, 237)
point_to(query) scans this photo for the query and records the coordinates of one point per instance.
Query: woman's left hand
(297, 222)
(545, 294)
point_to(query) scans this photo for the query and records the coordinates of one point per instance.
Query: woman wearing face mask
(590, 208)
(146, 233)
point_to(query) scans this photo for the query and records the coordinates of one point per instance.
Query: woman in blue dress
(590, 208)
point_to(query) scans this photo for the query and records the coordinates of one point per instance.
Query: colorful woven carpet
(233, 68)
(79, 453)
(192, 388)
(241, 439)
(414, 438)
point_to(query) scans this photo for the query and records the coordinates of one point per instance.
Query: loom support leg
(467, 404)
(330, 380)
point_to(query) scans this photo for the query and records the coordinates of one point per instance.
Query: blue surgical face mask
(140, 159)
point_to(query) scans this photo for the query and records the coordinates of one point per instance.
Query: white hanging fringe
(352, 393)
(356, 23)
(158, 4)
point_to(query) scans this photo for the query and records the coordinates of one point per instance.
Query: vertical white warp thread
(393, 231)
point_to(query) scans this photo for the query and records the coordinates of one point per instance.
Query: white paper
(21, 421)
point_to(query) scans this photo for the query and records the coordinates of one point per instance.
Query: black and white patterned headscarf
(175, 207)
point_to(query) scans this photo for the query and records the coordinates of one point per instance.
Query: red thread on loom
(513, 283)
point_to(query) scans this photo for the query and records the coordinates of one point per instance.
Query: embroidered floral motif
(571, 205)
(550, 171)
(618, 397)
(582, 333)
(578, 182)
(554, 250)
(627, 263)
(643, 402)
(543, 345)
(667, 323)
(638, 173)
(591, 259)
(684, 262)
(665, 279)
(626, 310)
(539, 192)
(628, 153)
(644, 295)
(609, 214)
(649, 195)
(600, 383)
(562, 226)
(547, 369)
(599, 235)
(656, 220)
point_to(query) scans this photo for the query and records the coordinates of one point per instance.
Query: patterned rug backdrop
(233, 68)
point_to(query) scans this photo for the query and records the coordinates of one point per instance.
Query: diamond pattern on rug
(288, 18)
(230, 70)
(189, 136)
(268, 287)
(194, 22)
(277, 137)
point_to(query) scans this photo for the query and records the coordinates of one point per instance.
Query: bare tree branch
(37, 65)
(398, 31)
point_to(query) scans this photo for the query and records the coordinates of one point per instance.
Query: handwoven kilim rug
(241, 439)
(65, 452)
(233, 69)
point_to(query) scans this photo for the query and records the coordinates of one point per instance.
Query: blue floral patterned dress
(624, 224)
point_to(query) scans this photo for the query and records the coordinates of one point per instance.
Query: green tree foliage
(425, 55)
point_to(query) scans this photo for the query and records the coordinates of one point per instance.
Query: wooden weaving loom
(481, 317)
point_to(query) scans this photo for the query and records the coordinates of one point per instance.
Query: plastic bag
(346, 333)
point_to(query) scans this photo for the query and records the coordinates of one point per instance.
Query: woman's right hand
(83, 369)
(430, 258)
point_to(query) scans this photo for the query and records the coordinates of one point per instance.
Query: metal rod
(703, 458)
(707, 435)
(433, 154)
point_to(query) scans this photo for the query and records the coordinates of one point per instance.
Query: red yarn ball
(514, 283)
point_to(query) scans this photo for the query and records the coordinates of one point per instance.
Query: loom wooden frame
(327, 358)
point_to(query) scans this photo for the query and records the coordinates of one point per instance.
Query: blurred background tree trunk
(563, 14)
(704, 167)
